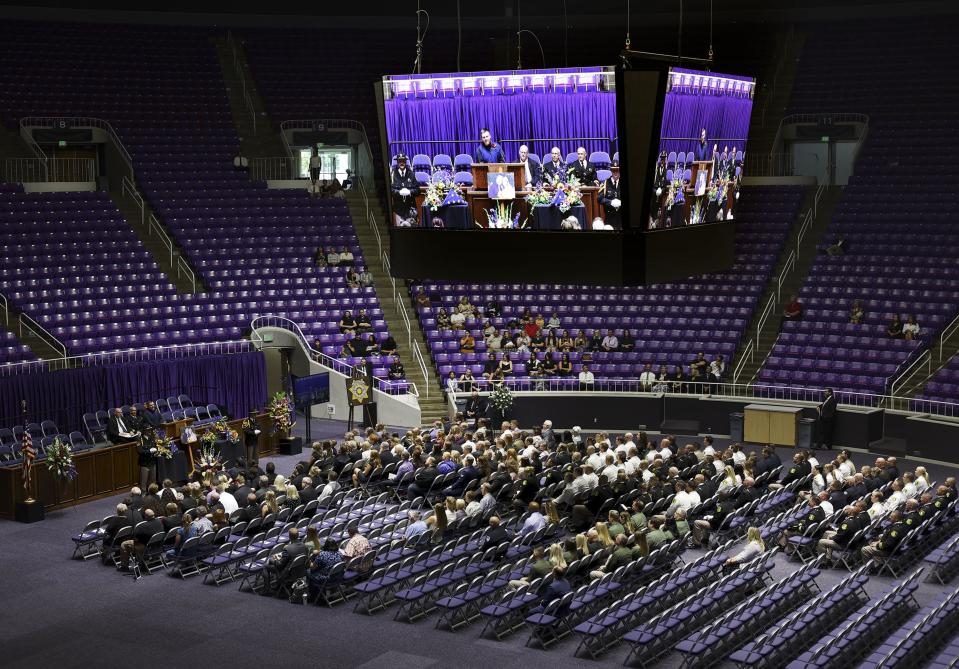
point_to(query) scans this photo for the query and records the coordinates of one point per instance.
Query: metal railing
(50, 170)
(26, 323)
(282, 322)
(5, 305)
(241, 75)
(278, 168)
(749, 353)
(128, 355)
(398, 299)
(739, 391)
(922, 362)
(29, 122)
(154, 229)
(947, 334)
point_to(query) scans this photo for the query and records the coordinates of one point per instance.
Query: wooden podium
(481, 173)
(771, 424)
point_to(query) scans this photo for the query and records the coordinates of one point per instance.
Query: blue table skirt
(548, 217)
(455, 216)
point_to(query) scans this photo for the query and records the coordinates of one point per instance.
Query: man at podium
(488, 151)
(702, 150)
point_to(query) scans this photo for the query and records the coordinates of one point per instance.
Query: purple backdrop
(726, 119)
(236, 381)
(513, 119)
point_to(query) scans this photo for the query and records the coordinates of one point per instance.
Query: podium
(771, 424)
(481, 173)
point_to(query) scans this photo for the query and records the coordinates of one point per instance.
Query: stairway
(774, 97)
(432, 403)
(153, 243)
(263, 141)
(794, 281)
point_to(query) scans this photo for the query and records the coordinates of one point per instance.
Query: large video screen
(515, 150)
(701, 159)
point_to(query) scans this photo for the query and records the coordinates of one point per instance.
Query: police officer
(582, 170)
(611, 197)
(886, 544)
(839, 537)
(404, 188)
(813, 514)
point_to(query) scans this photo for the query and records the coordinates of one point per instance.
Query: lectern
(771, 424)
(481, 173)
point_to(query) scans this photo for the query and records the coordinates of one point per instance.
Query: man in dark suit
(827, 419)
(404, 189)
(555, 590)
(281, 569)
(111, 526)
(476, 407)
(307, 491)
(146, 458)
(532, 170)
(119, 428)
(611, 197)
(151, 416)
(141, 537)
(555, 168)
(422, 480)
(582, 170)
(173, 517)
(701, 152)
(466, 475)
(495, 535)
(251, 435)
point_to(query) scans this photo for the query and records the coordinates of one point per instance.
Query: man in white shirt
(534, 521)
(457, 320)
(532, 172)
(610, 341)
(586, 379)
(633, 461)
(647, 379)
(738, 456)
(628, 442)
(896, 497)
(825, 504)
(589, 474)
(227, 500)
(610, 471)
(577, 434)
(664, 451)
(594, 458)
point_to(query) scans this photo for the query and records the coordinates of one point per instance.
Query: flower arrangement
(438, 190)
(166, 447)
(696, 212)
(539, 196)
(501, 399)
(502, 218)
(280, 410)
(60, 460)
(209, 460)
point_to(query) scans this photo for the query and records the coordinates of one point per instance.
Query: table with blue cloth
(176, 468)
(455, 216)
(230, 451)
(548, 217)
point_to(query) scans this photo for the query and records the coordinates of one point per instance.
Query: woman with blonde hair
(292, 496)
(269, 504)
(556, 556)
(552, 515)
(450, 509)
(603, 533)
(754, 546)
(731, 479)
(582, 545)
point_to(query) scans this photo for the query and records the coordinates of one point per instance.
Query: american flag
(29, 455)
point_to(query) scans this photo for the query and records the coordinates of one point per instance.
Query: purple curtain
(726, 119)
(236, 382)
(413, 125)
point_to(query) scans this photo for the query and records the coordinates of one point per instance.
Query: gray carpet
(66, 613)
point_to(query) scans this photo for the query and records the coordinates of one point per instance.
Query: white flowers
(659, 191)
(405, 192)
(616, 203)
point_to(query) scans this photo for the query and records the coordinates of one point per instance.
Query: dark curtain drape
(541, 120)
(236, 382)
(726, 119)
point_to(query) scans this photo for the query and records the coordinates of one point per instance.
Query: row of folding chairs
(917, 641)
(944, 561)
(560, 617)
(847, 644)
(799, 630)
(602, 631)
(657, 636)
(728, 632)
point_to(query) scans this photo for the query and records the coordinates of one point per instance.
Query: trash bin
(736, 426)
(805, 432)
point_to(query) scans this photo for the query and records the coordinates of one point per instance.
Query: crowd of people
(623, 495)
(544, 347)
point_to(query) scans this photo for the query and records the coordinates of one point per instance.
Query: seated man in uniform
(582, 170)
(611, 197)
(555, 167)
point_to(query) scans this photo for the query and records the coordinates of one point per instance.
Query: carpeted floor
(67, 613)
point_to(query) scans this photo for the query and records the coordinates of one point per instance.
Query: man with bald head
(584, 172)
(555, 168)
(532, 170)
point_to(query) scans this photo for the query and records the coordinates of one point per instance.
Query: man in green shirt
(657, 536)
(540, 568)
(621, 556)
